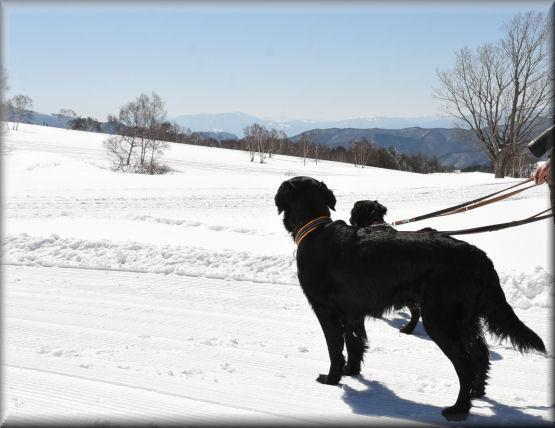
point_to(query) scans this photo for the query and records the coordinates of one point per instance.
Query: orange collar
(309, 227)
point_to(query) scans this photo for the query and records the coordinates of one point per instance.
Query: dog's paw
(454, 414)
(351, 371)
(407, 329)
(326, 380)
(477, 392)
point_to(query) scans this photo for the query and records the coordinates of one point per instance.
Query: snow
(174, 298)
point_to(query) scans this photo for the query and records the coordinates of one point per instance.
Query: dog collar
(309, 227)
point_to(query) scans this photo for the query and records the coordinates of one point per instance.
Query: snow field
(175, 298)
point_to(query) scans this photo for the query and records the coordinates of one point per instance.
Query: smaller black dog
(369, 214)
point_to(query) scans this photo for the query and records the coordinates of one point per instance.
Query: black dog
(370, 214)
(347, 272)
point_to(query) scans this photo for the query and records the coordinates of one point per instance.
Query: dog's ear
(283, 196)
(328, 195)
(380, 209)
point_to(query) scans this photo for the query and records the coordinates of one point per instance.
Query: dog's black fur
(370, 214)
(347, 273)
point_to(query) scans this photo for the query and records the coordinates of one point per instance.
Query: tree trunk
(499, 167)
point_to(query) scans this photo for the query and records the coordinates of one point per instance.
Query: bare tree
(315, 150)
(249, 139)
(20, 105)
(501, 94)
(3, 88)
(66, 112)
(257, 137)
(137, 149)
(282, 138)
(119, 152)
(273, 143)
(3, 103)
(177, 130)
(306, 141)
(361, 151)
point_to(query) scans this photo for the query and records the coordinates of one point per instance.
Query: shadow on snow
(403, 318)
(379, 400)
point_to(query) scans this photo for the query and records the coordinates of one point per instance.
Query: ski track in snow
(192, 341)
(175, 298)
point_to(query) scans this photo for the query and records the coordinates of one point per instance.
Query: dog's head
(367, 213)
(303, 199)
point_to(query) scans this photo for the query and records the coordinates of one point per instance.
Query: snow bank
(523, 289)
(27, 250)
(528, 289)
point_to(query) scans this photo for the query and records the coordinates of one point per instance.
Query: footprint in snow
(58, 352)
(190, 372)
(227, 368)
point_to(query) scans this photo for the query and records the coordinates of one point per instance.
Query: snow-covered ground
(174, 298)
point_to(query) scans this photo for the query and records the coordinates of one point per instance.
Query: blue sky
(283, 60)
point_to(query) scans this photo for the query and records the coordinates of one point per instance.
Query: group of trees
(365, 153)
(84, 124)
(520, 165)
(137, 147)
(261, 143)
(20, 107)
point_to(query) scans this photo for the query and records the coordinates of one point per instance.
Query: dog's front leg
(333, 331)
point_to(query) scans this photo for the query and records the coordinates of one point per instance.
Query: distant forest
(262, 143)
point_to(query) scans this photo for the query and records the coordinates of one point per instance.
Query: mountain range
(236, 122)
(452, 147)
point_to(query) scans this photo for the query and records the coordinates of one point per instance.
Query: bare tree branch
(501, 93)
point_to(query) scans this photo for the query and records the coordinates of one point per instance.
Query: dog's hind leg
(415, 316)
(355, 339)
(333, 331)
(450, 341)
(480, 356)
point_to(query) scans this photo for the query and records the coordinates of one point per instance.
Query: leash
(492, 227)
(465, 206)
(481, 204)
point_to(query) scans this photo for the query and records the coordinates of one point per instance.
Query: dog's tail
(502, 321)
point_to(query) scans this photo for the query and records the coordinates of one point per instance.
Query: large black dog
(370, 214)
(347, 273)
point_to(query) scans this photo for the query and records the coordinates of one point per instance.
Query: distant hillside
(452, 147)
(60, 121)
